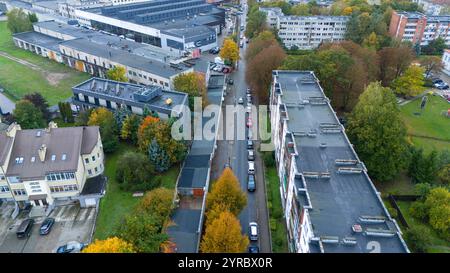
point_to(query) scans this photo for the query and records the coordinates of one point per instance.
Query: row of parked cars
(25, 228)
(440, 84)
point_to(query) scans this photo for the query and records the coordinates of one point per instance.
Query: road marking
(82, 216)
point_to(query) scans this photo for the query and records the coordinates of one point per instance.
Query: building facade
(306, 32)
(329, 202)
(419, 28)
(446, 61)
(41, 166)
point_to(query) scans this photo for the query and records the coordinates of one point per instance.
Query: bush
(393, 212)
(269, 159)
(419, 211)
(135, 173)
(418, 238)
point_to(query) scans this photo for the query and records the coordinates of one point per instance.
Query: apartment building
(41, 166)
(306, 32)
(419, 28)
(430, 7)
(329, 202)
(94, 52)
(113, 95)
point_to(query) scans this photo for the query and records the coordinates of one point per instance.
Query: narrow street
(235, 152)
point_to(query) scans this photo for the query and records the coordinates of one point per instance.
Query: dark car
(227, 165)
(251, 185)
(46, 226)
(24, 229)
(214, 50)
(249, 144)
(230, 82)
(253, 249)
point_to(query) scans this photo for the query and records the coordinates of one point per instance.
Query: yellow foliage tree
(226, 192)
(347, 11)
(223, 235)
(229, 51)
(117, 73)
(110, 245)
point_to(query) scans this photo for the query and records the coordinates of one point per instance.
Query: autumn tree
(229, 51)
(110, 245)
(431, 64)
(158, 201)
(410, 83)
(130, 128)
(108, 128)
(378, 133)
(194, 85)
(256, 23)
(301, 9)
(18, 21)
(146, 132)
(438, 204)
(435, 47)
(135, 172)
(393, 62)
(223, 235)
(117, 73)
(82, 118)
(226, 192)
(263, 40)
(40, 102)
(65, 110)
(28, 115)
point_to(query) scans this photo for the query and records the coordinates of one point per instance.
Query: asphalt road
(235, 152)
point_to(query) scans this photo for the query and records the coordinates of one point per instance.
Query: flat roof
(39, 39)
(340, 200)
(184, 231)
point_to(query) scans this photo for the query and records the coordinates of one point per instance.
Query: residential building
(330, 203)
(97, 92)
(94, 52)
(417, 27)
(306, 32)
(430, 7)
(446, 61)
(171, 25)
(42, 166)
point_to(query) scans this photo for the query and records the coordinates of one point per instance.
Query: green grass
(277, 222)
(400, 185)
(438, 245)
(19, 79)
(118, 203)
(431, 129)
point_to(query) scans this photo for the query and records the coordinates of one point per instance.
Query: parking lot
(72, 223)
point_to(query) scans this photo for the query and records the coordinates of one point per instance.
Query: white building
(429, 7)
(446, 61)
(306, 32)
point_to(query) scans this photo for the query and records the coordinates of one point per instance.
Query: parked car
(249, 144)
(230, 81)
(214, 50)
(241, 100)
(251, 155)
(253, 231)
(248, 90)
(250, 134)
(46, 226)
(251, 167)
(249, 122)
(241, 44)
(71, 247)
(25, 228)
(251, 184)
(253, 249)
(249, 108)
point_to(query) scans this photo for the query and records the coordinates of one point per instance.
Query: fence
(393, 201)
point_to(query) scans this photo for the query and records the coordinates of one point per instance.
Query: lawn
(431, 129)
(117, 203)
(53, 80)
(438, 245)
(277, 222)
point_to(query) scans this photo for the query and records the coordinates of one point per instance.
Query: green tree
(438, 203)
(300, 10)
(135, 172)
(65, 110)
(117, 73)
(444, 174)
(108, 128)
(423, 168)
(82, 118)
(158, 157)
(32, 17)
(418, 238)
(28, 115)
(194, 85)
(435, 47)
(40, 102)
(410, 83)
(158, 201)
(130, 128)
(378, 133)
(256, 24)
(18, 21)
(120, 115)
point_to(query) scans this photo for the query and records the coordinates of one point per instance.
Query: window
(19, 192)
(86, 160)
(63, 157)
(90, 172)
(53, 157)
(96, 170)
(4, 189)
(93, 158)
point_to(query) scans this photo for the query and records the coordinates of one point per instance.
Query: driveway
(72, 223)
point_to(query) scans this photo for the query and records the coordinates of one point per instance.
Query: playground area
(428, 122)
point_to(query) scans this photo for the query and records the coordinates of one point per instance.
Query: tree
(423, 168)
(256, 24)
(229, 51)
(158, 202)
(117, 73)
(378, 133)
(108, 128)
(28, 115)
(435, 47)
(120, 115)
(144, 231)
(418, 238)
(223, 235)
(40, 102)
(18, 21)
(226, 191)
(444, 174)
(135, 172)
(146, 132)
(300, 10)
(393, 62)
(158, 157)
(431, 64)
(438, 203)
(410, 83)
(32, 17)
(66, 112)
(82, 118)
(263, 40)
(194, 85)
(110, 245)
(259, 70)
(130, 128)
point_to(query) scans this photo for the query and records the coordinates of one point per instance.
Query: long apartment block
(330, 203)
(306, 32)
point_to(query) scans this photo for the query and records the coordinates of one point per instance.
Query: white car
(253, 231)
(241, 100)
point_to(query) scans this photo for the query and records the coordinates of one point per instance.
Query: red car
(249, 122)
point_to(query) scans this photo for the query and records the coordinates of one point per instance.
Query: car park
(71, 247)
(249, 144)
(46, 226)
(251, 167)
(253, 231)
(251, 155)
(251, 184)
(241, 100)
(25, 228)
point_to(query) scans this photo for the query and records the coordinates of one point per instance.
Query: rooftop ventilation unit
(299, 133)
(325, 175)
(146, 94)
(323, 145)
(328, 125)
(372, 219)
(349, 241)
(379, 232)
(345, 162)
(311, 174)
(343, 170)
(312, 133)
(331, 130)
(329, 239)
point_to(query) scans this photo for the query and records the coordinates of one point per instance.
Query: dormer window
(33, 159)
(53, 157)
(64, 157)
(19, 160)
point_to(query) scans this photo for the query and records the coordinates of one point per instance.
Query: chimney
(42, 152)
(52, 125)
(12, 129)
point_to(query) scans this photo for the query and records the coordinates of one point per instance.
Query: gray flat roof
(337, 202)
(39, 39)
(184, 231)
